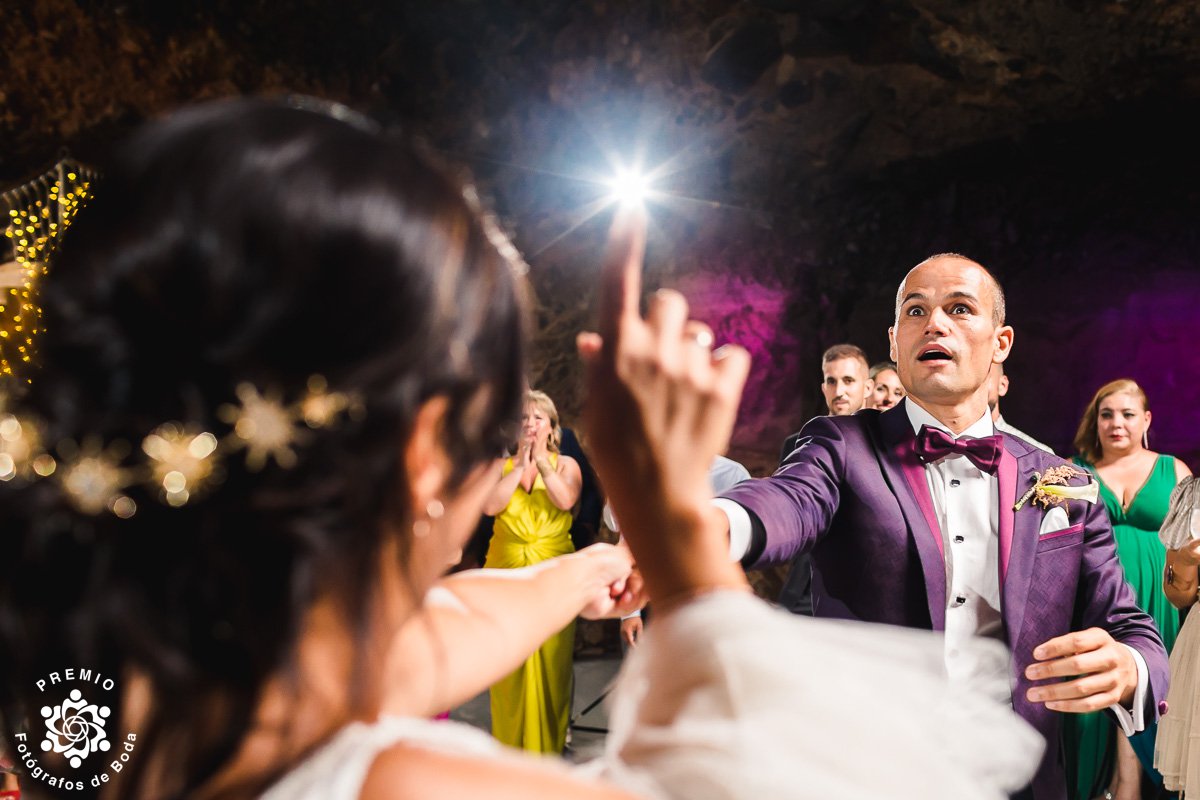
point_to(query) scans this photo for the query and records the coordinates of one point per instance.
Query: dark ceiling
(804, 89)
(816, 149)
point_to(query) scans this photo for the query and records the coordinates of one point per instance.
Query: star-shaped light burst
(639, 179)
(21, 448)
(95, 481)
(263, 426)
(630, 188)
(320, 407)
(182, 460)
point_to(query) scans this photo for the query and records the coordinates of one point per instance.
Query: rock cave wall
(814, 151)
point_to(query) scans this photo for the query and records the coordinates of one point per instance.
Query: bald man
(911, 517)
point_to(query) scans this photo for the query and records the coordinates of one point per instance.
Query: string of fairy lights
(37, 214)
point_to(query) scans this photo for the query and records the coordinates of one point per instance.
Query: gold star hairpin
(94, 480)
(182, 461)
(320, 407)
(21, 448)
(263, 426)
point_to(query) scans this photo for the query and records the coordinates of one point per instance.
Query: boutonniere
(1050, 488)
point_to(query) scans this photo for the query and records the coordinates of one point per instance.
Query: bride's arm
(477, 626)
(414, 773)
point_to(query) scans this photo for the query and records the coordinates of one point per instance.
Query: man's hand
(1189, 554)
(1105, 669)
(607, 571)
(631, 630)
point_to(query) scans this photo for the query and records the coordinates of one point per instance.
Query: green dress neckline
(1146, 509)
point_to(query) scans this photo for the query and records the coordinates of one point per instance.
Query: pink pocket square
(1061, 532)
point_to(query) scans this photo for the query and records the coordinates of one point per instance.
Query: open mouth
(933, 354)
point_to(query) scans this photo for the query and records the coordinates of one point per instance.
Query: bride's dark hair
(244, 241)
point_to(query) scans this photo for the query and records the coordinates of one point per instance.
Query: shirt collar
(918, 417)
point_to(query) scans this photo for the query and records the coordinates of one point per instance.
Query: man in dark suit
(912, 518)
(585, 525)
(846, 386)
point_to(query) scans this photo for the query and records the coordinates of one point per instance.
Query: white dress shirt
(966, 501)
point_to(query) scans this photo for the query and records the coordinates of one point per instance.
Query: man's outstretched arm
(772, 519)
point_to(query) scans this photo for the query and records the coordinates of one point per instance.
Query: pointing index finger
(621, 273)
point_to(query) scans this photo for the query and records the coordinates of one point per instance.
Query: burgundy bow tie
(984, 452)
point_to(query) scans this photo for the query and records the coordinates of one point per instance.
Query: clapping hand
(526, 454)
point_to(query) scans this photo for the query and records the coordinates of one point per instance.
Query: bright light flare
(629, 188)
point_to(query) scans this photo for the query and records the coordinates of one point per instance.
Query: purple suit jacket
(854, 494)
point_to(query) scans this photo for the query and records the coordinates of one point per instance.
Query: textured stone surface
(816, 149)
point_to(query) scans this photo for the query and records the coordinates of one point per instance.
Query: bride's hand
(660, 407)
(607, 581)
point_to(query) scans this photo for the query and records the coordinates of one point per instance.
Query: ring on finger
(701, 338)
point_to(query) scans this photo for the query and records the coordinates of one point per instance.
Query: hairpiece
(13, 449)
(21, 448)
(182, 461)
(95, 481)
(263, 427)
(320, 406)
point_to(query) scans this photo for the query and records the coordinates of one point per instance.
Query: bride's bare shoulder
(408, 772)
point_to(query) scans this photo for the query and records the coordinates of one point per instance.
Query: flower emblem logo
(75, 728)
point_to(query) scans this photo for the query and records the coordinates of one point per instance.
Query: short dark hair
(840, 351)
(247, 240)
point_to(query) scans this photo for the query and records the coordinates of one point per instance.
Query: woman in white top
(282, 352)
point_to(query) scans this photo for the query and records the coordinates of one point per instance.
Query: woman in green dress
(1135, 487)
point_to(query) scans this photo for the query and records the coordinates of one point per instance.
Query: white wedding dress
(729, 699)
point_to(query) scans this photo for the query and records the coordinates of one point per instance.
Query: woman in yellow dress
(532, 504)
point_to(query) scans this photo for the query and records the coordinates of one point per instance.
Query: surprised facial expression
(945, 338)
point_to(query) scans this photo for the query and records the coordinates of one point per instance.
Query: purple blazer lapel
(1018, 542)
(906, 476)
(1006, 476)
